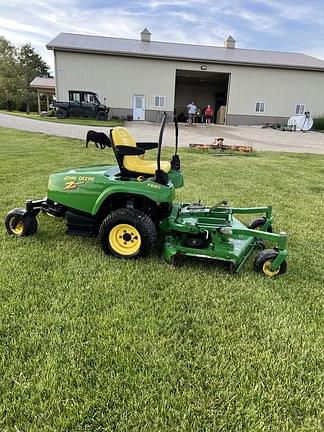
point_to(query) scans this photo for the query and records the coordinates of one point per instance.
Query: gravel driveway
(260, 139)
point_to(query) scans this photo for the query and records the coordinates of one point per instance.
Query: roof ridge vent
(145, 35)
(229, 42)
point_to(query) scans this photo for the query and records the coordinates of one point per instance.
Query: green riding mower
(127, 205)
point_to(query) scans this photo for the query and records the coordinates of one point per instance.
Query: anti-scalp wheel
(263, 261)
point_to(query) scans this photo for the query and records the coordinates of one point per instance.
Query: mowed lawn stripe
(92, 343)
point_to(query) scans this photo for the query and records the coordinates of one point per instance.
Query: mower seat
(135, 163)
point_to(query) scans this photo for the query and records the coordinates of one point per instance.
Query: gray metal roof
(177, 51)
(42, 82)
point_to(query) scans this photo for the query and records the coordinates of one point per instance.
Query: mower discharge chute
(126, 205)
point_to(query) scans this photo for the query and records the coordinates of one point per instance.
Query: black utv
(81, 104)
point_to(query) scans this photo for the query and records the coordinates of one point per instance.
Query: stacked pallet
(219, 144)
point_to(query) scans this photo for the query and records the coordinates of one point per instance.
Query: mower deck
(214, 233)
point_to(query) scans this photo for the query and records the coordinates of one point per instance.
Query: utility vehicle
(81, 104)
(127, 205)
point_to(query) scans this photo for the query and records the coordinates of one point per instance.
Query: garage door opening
(202, 88)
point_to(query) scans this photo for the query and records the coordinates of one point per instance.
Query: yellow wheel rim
(18, 229)
(125, 240)
(267, 269)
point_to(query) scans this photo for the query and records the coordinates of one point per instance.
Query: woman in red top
(208, 113)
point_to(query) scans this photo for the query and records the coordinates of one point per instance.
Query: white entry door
(138, 107)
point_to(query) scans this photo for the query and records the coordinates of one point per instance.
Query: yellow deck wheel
(263, 262)
(266, 268)
(125, 239)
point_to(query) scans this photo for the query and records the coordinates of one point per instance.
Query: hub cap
(124, 239)
(16, 228)
(267, 269)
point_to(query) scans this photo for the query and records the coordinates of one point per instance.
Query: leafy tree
(18, 67)
(29, 65)
(8, 73)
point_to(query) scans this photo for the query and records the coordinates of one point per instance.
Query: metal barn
(140, 79)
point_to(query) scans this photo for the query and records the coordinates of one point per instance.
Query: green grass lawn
(76, 121)
(91, 343)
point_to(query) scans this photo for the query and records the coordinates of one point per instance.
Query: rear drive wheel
(60, 113)
(128, 233)
(20, 226)
(263, 261)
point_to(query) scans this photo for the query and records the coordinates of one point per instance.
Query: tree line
(18, 67)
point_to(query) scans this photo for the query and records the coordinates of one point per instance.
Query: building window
(300, 109)
(159, 101)
(259, 107)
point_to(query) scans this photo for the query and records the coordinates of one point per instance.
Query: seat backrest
(134, 163)
(122, 136)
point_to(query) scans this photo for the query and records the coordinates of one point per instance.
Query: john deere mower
(128, 204)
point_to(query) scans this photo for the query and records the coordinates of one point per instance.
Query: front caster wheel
(128, 233)
(263, 261)
(20, 225)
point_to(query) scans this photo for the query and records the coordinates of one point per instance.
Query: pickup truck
(81, 104)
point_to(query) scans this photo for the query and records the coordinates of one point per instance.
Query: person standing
(208, 113)
(192, 109)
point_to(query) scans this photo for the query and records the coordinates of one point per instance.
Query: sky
(276, 25)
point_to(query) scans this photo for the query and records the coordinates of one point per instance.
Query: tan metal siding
(118, 78)
(280, 90)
